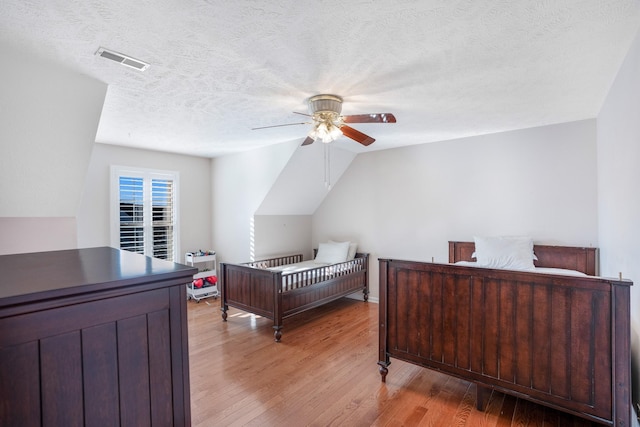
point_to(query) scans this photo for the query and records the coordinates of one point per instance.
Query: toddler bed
(561, 340)
(278, 288)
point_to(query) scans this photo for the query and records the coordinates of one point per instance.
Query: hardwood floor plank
(492, 413)
(444, 407)
(507, 411)
(325, 373)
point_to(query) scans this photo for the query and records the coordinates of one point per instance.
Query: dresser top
(55, 274)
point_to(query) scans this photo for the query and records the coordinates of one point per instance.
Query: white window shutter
(131, 204)
(144, 218)
(162, 218)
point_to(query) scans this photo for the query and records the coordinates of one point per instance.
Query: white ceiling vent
(123, 59)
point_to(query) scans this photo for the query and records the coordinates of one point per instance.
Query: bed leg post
(383, 370)
(224, 312)
(482, 397)
(277, 333)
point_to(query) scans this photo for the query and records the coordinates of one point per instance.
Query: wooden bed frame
(561, 341)
(253, 288)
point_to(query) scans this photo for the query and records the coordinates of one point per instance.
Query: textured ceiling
(445, 68)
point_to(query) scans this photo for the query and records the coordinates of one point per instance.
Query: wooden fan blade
(356, 135)
(370, 118)
(277, 126)
(308, 141)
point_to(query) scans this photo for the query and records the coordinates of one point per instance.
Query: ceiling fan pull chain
(327, 166)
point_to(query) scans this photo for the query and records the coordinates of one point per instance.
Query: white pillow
(510, 252)
(332, 253)
(473, 255)
(353, 248)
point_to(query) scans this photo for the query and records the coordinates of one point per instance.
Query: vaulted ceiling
(445, 68)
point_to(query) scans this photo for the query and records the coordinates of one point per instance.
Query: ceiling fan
(328, 123)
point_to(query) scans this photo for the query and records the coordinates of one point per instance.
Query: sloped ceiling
(445, 68)
(306, 179)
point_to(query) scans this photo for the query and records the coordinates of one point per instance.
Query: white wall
(195, 194)
(48, 121)
(240, 182)
(303, 184)
(37, 234)
(619, 198)
(276, 235)
(408, 202)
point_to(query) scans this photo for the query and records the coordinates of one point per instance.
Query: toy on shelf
(204, 284)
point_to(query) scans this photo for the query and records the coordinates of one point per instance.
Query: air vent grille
(123, 59)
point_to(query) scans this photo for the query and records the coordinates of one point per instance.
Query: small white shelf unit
(206, 264)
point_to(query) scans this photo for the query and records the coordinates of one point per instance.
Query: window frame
(147, 176)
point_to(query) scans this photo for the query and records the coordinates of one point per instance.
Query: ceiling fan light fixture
(325, 110)
(326, 131)
(326, 139)
(322, 129)
(335, 132)
(325, 104)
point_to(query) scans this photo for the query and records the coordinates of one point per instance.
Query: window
(144, 215)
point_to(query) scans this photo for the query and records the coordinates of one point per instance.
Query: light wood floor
(324, 373)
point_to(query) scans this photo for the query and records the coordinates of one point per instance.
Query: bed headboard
(568, 257)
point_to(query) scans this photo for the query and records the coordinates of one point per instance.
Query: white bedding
(292, 274)
(544, 270)
(298, 266)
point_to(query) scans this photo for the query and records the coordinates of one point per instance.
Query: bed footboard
(557, 340)
(252, 287)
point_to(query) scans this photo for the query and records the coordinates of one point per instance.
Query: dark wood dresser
(94, 337)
